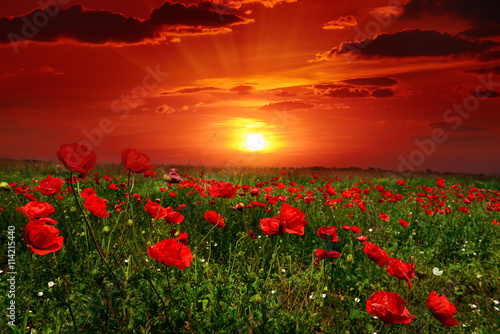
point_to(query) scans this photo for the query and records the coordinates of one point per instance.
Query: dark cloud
(451, 128)
(286, 106)
(191, 90)
(345, 91)
(380, 81)
(284, 93)
(383, 93)
(486, 70)
(193, 15)
(101, 26)
(486, 93)
(490, 55)
(483, 15)
(411, 43)
(242, 89)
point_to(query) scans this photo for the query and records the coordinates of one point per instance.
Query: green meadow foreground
(346, 252)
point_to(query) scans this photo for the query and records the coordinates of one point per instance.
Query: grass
(238, 285)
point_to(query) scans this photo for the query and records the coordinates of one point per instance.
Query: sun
(255, 142)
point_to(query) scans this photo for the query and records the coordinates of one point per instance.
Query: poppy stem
(273, 259)
(67, 293)
(65, 224)
(129, 187)
(99, 250)
(204, 238)
(382, 330)
(69, 304)
(148, 278)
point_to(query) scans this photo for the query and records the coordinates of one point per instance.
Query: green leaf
(355, 314)
(205, 303)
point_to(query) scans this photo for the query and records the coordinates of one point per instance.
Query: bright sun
(255, 142)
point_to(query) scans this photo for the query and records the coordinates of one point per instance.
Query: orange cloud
(341, 23)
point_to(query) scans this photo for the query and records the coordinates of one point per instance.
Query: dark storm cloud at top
(413, 43)
(483, 15)
(102, 26)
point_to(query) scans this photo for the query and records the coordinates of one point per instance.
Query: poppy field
(88, 247)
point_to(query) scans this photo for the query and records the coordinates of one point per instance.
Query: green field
(234, 284)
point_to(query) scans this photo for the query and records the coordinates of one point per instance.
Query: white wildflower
(437, 272)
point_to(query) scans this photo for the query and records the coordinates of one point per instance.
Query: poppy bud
(83, 234)
(73, 209)
(349, 258)
(130, 223)
(4, 186)
(258, 299)
(106, 230)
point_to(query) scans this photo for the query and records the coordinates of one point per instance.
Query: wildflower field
(137, 248)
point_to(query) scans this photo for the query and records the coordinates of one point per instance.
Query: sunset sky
(336, 83)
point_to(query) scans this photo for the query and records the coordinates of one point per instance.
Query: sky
(398, 85)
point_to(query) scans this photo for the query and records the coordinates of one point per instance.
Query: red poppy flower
(429, 212)
(77, 158)
(402, 182)
(328, 233)
(401, 270)
(495, 222)
(355, 229)
(361, 238)
(439, 182)
(361, 207)
(222, 189)
(135, 161)
(308, 199)
(388, 307)
(155, 210)
(383, 216)
(294, 219)
(42, 238)
(214, 218)
(271, 226)
(403, 222)
(463, 209)
(239, 207)
(50, 186)
(36, 209)
(375, 253)
(171, 253)
(347, 227)
(87, 192)
(173, 217)
(252, 235)
(96, 206)
(181, 237)
(442, 309)
(322, 254)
